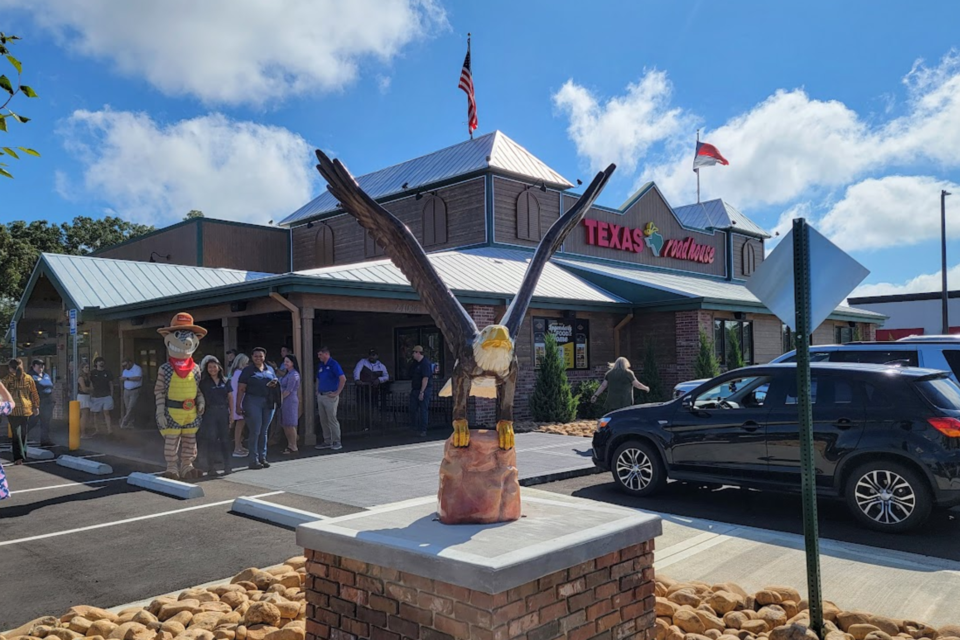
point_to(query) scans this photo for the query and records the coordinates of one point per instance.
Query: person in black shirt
(101, 400)
(215, 428)
(421, 388)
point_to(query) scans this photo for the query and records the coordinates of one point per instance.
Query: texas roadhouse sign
(624, 238)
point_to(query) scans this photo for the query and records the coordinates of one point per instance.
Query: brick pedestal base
(609, 597)
(569, 568)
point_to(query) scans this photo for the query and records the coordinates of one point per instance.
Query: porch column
(230, 333)
(309, 398)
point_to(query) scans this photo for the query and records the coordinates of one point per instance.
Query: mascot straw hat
(183, 322)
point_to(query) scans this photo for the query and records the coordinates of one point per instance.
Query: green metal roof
(645, 286)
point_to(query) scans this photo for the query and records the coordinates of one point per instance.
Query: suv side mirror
(687, 403)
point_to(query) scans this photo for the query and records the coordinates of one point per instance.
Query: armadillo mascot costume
(179, 401)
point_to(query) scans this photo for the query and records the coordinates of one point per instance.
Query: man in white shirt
(132, 377)
(370, 371)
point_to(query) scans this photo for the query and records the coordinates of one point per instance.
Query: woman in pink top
(239, 363)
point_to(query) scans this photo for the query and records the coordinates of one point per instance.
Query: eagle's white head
(493, 350)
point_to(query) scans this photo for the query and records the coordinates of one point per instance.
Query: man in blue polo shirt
(330, 382)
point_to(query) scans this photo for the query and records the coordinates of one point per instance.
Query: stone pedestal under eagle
(486, 360)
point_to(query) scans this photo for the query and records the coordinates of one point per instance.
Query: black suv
(886, 439)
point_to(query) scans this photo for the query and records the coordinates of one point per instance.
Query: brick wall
(609, 597)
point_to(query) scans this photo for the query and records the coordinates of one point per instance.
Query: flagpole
(698, 169)
(469, 130)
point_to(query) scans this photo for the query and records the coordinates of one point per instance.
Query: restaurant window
(371, 248)
(406, 338)
(434, 221)
(786, 334)
(727, 334)
(748, 257)
(528, 216)
(323, 246)
(844, 334)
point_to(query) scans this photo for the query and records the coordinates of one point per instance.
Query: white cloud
(780, 150)
(623, 128)
(923, 283)
(155, 173)
(383, 84)
(890, 211)
(239, 51)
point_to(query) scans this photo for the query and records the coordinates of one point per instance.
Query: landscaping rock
(773, 615)
(949, 631)
(259, 631)
(724, 602)
(861, 630)
(792, 632)
(689, 621)
(684, 596)
(261, 613)
(101, 628)
(79, 624)
(287, 633)
(168, 611)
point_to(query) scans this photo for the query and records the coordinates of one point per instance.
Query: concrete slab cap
(85, 465)
(275, 513)
(553, 534)
(33, 453)
(175, 488)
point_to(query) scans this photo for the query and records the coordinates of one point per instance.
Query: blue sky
(847, 113)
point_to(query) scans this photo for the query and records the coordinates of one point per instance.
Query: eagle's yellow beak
(497, 338)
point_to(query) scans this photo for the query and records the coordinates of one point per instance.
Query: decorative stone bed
(270, 604)
(699, 611)
(257, 604)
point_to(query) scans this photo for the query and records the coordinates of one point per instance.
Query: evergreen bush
(706, 365)
(734, 351)
(552, 399)
(587, 410)
(651, 377)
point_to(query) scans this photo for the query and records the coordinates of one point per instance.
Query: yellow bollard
(74, 425)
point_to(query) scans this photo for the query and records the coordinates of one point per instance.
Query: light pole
(943, 255)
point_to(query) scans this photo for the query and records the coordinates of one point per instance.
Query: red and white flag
(466, 83)
(707, 155)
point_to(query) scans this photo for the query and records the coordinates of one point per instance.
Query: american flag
(466, 83)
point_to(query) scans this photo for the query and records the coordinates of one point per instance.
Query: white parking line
(69, 484)
(129, 520)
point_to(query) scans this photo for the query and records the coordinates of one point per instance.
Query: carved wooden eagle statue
(486, 361)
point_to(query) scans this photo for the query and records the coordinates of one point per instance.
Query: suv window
(952, 357)
(877, 356)
(825, 391)
(748, 392)
(815, 356)
(943, 393)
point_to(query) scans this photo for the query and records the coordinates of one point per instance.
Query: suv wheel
(888, 496)
(637, 468)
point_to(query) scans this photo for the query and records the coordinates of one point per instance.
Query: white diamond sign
(833, 275)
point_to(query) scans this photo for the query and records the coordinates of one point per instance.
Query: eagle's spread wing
(403, 249)
(549, 244)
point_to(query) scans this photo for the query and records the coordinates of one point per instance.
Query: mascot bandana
(179, 401)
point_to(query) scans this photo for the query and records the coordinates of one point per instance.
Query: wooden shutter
(434, 221)
(323, 246)
(528, 216)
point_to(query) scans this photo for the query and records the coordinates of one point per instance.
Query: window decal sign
(572, 336)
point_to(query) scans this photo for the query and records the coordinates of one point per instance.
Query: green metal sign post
(811, 534)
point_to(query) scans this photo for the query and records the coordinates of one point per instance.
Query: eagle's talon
(505, 434)
(461, 433)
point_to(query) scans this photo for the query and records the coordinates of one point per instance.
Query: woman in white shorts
(101, 399)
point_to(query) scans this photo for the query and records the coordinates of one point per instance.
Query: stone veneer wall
(609, 597)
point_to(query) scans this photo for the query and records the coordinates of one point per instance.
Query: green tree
(734, 351)
(587, 410)
(552, 399)
(193, 213)
(651, 376)
(706, 365)
(12, 88)
(86, 235)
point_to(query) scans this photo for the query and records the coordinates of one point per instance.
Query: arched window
(434, 221)
(748, 257)
(370, 247)
(528, 216)
(323, 246)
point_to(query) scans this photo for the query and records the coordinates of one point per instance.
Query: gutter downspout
(616, 333)
(295, 313)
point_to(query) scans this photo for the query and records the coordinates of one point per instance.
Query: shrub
(706, 365)
(590, 410)
(734, 352)
(651, 377)
(552, 399)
